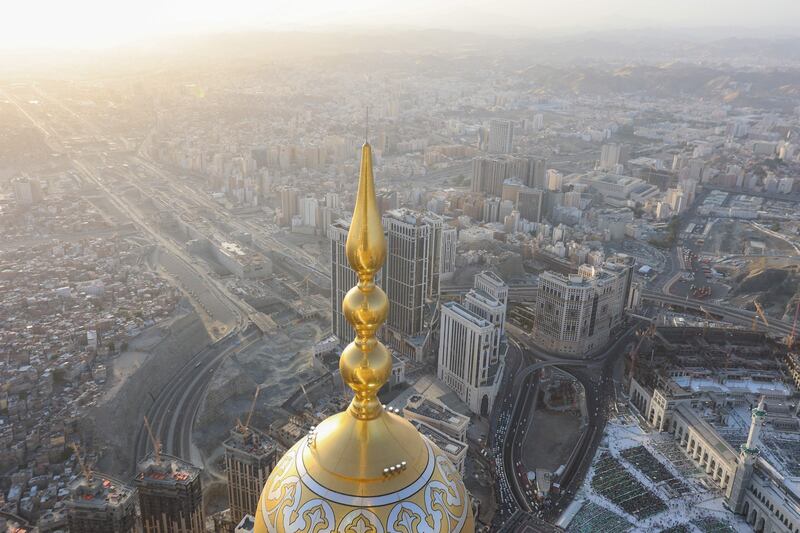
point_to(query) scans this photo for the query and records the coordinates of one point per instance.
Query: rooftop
(434, 410)
(734, 386)
(100, 491)
(167, 469)
(445, 442)
(250, 441)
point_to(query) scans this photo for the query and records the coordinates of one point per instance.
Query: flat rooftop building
(455, 450)
(101, 504)
(250, 456)
(170, 495)
(437, 416)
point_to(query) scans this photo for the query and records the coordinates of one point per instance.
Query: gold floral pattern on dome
(440, 504)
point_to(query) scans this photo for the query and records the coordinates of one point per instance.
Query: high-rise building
(488, 300)
(366, 468)
(491, 210)
(27, 191)
(288, 205)
(250, 456)
(170, 495)
(413, 274)
(332, 200)
(448, 253)
(101, 504)
(489, 173)
(342, 280)
(501, 136)
(465, 353)
(489, 308)
(612, 155)
(308, 206)
(537, 172)
(387, 200)
(530, 203)
(575, 314)
(490, 283)
(554, 180)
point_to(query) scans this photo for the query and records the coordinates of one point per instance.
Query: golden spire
(366, 469)
(365, 363)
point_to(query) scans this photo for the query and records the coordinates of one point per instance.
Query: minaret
(366, 469)
(757, 418)
(748, 453)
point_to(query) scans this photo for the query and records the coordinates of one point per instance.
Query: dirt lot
(551, 437)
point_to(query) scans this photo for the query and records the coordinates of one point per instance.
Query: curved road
(173, 410)
(519, 403)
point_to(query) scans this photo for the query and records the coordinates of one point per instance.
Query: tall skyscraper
(250, 456)
(501, 136)
(490, 308)
(537, 172)
(489, 173)
(288, 205)
(170, 495)
(342, 279)
(491, 210)
(612, 155)
(308, 206)
(490, 283)
(575, 314)
(465, 351)
(413, 273)
(366, 468)
(554, 180)
(530, 203)
(448, 259)
(101, 505)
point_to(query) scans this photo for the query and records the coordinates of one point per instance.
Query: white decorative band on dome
(364, 501)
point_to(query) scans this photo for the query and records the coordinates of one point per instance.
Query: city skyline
(96, 25)
(568, 262)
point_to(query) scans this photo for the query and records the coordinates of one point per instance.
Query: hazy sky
(101, 23)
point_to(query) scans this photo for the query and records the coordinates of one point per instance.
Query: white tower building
(501, 136)
(465, 351)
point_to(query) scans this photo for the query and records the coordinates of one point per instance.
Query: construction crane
(304, 282)
(760, 313)
(87, 472)
(244, 427)
(634, 353)
(156, 443)
(790, 338)
(708, 319)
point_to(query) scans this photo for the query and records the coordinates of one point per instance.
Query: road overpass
(728, 313)
(777, 328)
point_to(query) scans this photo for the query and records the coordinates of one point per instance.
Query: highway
(172, 412)
(264, 239)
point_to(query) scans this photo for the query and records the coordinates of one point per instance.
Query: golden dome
(365, 470)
